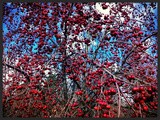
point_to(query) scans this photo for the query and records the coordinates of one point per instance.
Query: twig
(66, 105)
(19, 70)
(119, 100)
(127, 100)
(17, 95)
(123, 42)
(117, 78)
(133, 49)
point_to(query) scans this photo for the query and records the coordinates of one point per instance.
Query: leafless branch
(127, 100)
(119, 100)
(19, 70)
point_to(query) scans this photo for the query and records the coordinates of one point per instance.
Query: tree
(96, 59)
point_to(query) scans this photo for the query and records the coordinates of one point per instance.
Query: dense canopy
(63, 59)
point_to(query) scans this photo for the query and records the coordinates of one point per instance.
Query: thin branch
(117, 78)
(78, 86)
(96, 51)
(125, 59)
(154, 33)
(23, 92)
(19, 70)
(127, 100)
(54, 42)
(66, 105)
(120, 42)
(119, 100)
(133, 49)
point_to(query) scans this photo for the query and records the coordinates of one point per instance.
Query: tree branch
(119, 100)
(127, 101)
(19, 70)
(133, 49)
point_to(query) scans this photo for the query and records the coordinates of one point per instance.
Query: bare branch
(119, 100)
(19, 70)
